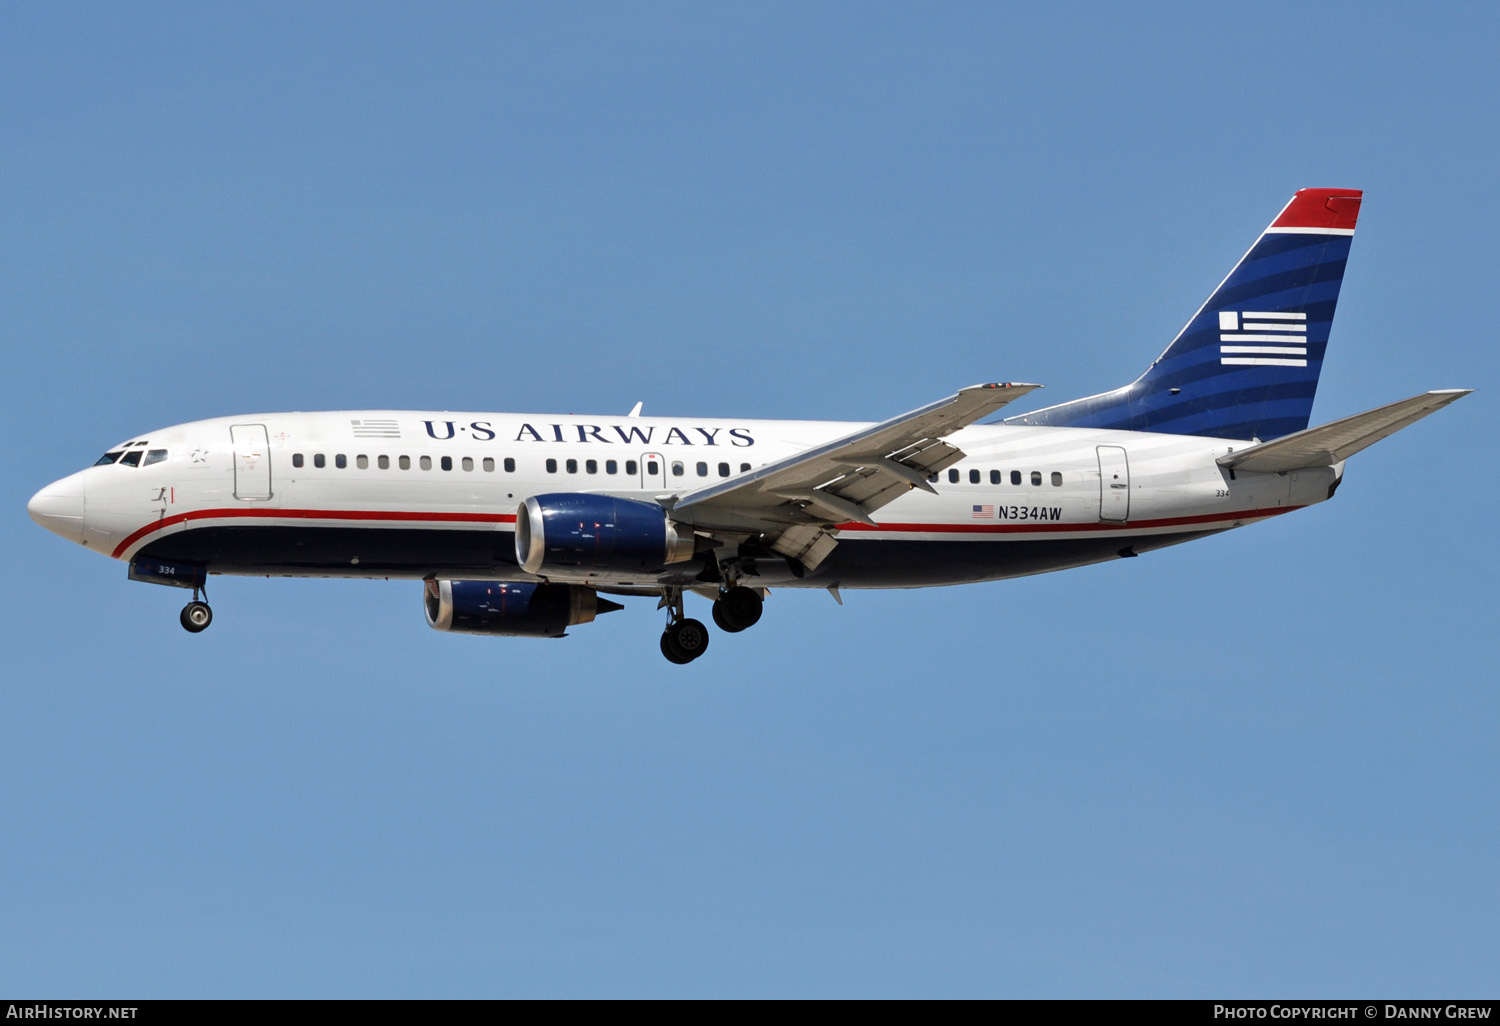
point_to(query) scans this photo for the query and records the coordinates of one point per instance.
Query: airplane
(521, 524)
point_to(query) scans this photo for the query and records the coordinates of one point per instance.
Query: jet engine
(518, 610)
(575, 533)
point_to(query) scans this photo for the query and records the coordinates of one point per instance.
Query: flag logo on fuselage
(1257, 338)
(375, 428)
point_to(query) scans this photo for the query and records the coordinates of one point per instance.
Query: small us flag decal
(375, 428)
(984, 512)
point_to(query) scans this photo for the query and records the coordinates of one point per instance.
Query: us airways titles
(631, 434)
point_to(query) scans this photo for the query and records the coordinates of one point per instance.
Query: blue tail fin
(1247, 364)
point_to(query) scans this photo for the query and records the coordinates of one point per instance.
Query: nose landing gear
(196, 615)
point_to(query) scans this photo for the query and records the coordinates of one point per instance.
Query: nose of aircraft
(59, 508)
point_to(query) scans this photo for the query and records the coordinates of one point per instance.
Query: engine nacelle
(518, 610)
(576, 533)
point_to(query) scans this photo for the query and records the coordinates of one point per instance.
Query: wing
(798, 502)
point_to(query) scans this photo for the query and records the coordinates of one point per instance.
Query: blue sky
(1259, 764)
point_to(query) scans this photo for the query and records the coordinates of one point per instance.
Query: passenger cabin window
(572, 466)
(745, 469)
(319, 460)
(131, 459)
(446, 462)
(630, 467)
(678, 469)
(469, 463)
(591, 466)
(510, 465)
(425, 462)
(404, 462)
(108, 458)
(1036, 477)
(489, 464)
(297, 459)
(383, 462)
(973, 477)
(362, 462)
(611, 466)
(551, 466)
(953, 477)
(341, 461)
(995, 477)
(702, 469)
(1056, 479)
(1015, 477)
(723, 470)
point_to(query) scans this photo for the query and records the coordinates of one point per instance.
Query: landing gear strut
(738, 608)
(684, 640)
(196, 615)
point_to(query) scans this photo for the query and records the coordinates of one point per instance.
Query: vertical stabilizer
(1246, 364)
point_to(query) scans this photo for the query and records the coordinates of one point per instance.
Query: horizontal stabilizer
(1328, 444)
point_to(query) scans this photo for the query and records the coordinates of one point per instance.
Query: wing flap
(807, 544)
(850, 477)
(1330, 443)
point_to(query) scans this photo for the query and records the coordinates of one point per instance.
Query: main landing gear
(685, 639)
(738, 608)
(196, 615)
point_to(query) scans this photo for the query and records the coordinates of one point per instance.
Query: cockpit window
(131, 458)
(154, 456)
(108, 458)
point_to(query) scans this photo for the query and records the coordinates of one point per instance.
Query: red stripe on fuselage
(315, 514)
(390, 516)
(1049, 526)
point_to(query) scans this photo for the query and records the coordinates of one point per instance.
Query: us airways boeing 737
(521, 524)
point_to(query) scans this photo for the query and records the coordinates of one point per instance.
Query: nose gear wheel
(196, 616)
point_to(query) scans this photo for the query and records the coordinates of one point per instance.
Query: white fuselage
(423, 495)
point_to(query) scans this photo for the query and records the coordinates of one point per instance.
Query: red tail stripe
(1321, 208)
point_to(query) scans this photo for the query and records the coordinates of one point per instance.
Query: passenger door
(252, 462)
(1114, 484)
(653, 472)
